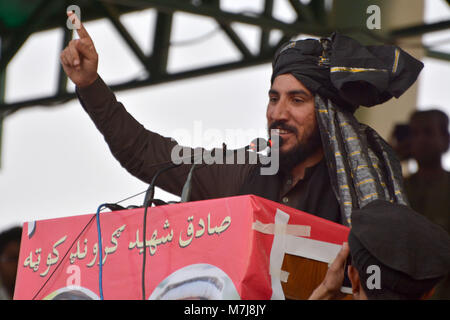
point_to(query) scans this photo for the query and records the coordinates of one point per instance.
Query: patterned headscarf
(344, 75)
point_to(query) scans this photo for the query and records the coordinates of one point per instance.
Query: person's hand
(330, 287)
(79, 59)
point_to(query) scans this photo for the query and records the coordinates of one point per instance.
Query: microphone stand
(186, 193)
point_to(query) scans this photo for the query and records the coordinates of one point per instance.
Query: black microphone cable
(148, 200)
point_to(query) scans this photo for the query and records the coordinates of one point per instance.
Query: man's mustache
(282, 126)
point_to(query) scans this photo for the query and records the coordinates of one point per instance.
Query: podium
(242, 247)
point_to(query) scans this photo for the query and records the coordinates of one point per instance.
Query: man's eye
(273, 99)
(298, 100)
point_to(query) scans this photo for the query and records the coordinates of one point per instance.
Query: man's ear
(354, 279)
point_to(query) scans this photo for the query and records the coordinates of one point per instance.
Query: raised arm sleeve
(143, 152)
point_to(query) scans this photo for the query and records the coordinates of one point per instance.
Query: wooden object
(304, 276)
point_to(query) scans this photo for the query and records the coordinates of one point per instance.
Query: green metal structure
(19, 19)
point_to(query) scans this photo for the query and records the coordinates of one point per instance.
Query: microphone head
(258, 144)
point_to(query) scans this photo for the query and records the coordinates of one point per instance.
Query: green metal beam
(437, 55)
(240, 45)
(229, 17)
(14, 14)
(311, 19)
(112, 14)
(11, 44)
(161, 43)
(156, 64)
(318, 9)
(304, 12)
(62, 98)
(62, 77)
(22, 10)
(420, 29)
(265, 35)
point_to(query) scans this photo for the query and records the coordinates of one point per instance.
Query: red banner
(229, 248)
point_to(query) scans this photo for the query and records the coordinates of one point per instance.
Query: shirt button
(285, 199)
(289, 181)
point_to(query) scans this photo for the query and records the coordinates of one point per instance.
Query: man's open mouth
(282, 131)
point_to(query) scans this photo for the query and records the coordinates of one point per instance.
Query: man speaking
(329, 163)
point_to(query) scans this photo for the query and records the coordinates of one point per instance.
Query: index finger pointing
(81, 31)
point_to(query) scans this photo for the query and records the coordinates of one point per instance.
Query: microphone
(148, 199)
(259, 144)
(186, 193)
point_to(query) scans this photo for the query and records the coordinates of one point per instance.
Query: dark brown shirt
(430, 198)
(143, 152)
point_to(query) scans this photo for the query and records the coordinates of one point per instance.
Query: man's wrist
(88, 83)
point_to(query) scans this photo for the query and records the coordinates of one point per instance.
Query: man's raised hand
(79, 59)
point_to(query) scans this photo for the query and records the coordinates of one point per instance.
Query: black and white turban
(343, 75)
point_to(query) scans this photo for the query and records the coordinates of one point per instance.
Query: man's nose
(280, 110)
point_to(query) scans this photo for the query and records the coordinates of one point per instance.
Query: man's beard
(300, 151)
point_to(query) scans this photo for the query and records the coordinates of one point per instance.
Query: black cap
(412, 252)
